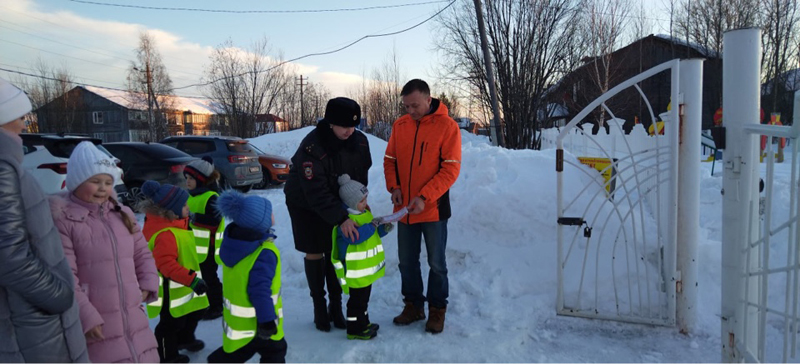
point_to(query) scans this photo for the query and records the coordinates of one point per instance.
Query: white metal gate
(617, 250)
(760, 239)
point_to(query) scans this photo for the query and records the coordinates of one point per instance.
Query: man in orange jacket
(422, 161)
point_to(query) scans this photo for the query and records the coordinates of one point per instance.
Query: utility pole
(496, 132)
(302, 109)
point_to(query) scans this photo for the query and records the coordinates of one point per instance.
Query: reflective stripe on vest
(197, 205)
(236, 335)
(183, 300)
(363, 263)
(365, 254)
(239, 316)
(361, 273)
(201, 233)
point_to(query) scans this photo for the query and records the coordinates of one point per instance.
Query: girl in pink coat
(113, 268)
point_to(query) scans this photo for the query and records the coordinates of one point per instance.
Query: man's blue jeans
(409, 242)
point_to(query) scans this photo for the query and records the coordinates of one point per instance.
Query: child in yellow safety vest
(358, 263)
(251, 283)
(181, 292)
(207, 226)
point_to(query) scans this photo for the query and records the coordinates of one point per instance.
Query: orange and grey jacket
(423, 158)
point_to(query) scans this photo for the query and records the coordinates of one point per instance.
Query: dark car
(149, 161)
(274, 167)
(233, 157)
(46, 157)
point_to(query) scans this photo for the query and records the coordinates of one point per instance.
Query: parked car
(149, 161)
(46, 157)
(275, 168)
(233, 157)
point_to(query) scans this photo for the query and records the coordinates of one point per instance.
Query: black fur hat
(343, 112)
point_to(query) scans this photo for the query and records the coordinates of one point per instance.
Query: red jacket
(423, 158)
(165, 249)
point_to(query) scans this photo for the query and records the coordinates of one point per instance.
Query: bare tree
(56, 109)
(246, 84)
(379, 96)
(315, 97)
(779, 35)
(703, 22)
(150, 87)
(602, 29)
(641, 24)
(532, 43)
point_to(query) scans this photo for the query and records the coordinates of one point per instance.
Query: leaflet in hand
(391, 218)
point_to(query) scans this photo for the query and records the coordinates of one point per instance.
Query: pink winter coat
(111, 267)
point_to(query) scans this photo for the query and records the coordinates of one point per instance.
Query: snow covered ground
(501, 257)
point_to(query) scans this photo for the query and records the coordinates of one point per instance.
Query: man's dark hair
(416, 85)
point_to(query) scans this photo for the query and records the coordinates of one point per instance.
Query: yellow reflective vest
(364, 263)
(202, 236)
(182, 299)
(239, 316)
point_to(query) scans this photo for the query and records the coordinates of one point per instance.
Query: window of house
(97, 117)
(99, 135)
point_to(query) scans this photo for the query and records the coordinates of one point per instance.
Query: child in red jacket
(181, 292)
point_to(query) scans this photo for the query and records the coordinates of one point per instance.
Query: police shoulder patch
(308, 170)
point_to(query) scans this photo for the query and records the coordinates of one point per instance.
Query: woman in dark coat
(39, 318)
(332, 149)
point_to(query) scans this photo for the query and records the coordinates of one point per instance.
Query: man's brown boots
(410, 314)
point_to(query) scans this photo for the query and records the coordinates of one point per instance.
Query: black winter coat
(39, 318)
(316, 166)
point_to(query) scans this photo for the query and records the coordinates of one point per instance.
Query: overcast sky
(96, 42)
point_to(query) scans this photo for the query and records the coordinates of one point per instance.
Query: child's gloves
(266, 329)
(388, 227)
(199, 286)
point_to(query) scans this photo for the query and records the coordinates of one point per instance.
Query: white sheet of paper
(393, 217)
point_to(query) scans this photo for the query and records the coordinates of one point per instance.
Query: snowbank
(502, 266)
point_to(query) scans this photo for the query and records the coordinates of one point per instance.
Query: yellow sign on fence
(606, 168)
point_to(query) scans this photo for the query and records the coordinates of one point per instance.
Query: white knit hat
(86, 161)
(14, 103)
(351, 191)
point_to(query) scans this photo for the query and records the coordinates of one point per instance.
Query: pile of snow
(501, 257)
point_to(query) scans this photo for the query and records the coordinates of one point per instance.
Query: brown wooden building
(580, 87)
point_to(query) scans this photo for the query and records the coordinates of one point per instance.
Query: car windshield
(239, 146)
(258, 151)
(63, 148)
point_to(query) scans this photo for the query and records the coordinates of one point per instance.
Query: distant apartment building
(116, 115)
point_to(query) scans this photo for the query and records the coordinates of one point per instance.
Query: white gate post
(691, 88)
(740, 106)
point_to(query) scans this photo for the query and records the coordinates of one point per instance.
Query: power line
(87, 84)
(325, 53)
(59, 54)
(82, 48)
(85, 34)
(259, 11)
(68, 45)
(77, 77)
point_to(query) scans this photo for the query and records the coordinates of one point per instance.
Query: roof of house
(791, 79)
(123, 98)
(269, 118)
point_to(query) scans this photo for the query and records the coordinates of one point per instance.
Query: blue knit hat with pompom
(167, 196)
(247, 211)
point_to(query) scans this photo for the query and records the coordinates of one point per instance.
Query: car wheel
(265, 181)
(135, 195)
(223, 184)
